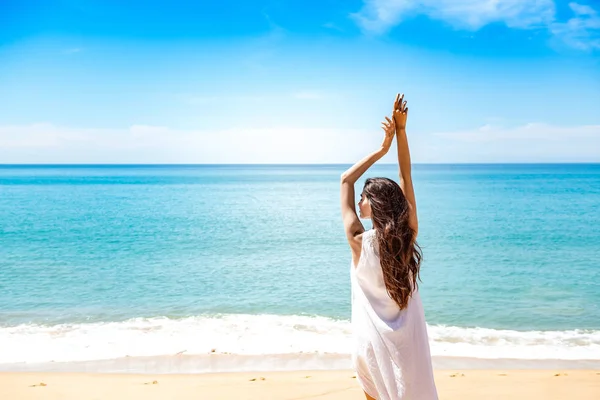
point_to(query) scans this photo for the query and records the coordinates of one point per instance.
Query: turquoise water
(508, 248)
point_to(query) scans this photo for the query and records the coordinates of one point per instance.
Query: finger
(403, 106)
(389, 120)
(400, 102)
(396, 101)
(406, 111)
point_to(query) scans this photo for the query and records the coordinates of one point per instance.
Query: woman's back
(370, 278)
(392, 356)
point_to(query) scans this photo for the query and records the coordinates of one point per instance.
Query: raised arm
(352, 224)
(400, 115)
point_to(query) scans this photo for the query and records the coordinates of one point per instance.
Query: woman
(391, 355)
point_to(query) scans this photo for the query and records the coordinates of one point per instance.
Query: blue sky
(299, 82)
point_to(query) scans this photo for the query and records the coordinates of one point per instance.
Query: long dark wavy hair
(399, 253)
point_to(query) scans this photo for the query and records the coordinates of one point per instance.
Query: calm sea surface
(219, 254)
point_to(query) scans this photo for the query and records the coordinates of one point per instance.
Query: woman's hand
(350, 177)
(400, 112)
(389, 127)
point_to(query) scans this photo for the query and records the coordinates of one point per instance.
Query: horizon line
(281, 164)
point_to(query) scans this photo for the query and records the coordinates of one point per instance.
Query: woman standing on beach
(391, 355)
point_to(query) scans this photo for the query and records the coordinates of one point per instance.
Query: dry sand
(323, 385)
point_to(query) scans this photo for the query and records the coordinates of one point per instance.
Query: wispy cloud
(48, 143)
(582, 31)
(537, 131)
(534, 142)
(380, 15)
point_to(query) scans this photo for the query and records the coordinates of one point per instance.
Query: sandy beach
(330, 385)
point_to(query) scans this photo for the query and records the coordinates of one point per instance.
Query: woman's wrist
(385, 147)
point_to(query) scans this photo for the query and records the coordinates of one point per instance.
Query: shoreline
(295, 385)
(231, 363)
(247, 334)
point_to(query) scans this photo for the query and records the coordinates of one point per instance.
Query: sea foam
(268, 335)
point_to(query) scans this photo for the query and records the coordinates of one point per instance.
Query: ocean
(106, 262)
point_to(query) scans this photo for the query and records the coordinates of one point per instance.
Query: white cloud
(380, 15)
(533, 142)
(582, 31)
(47, 143)
(537, 131)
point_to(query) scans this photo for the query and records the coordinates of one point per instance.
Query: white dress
(391, 353)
